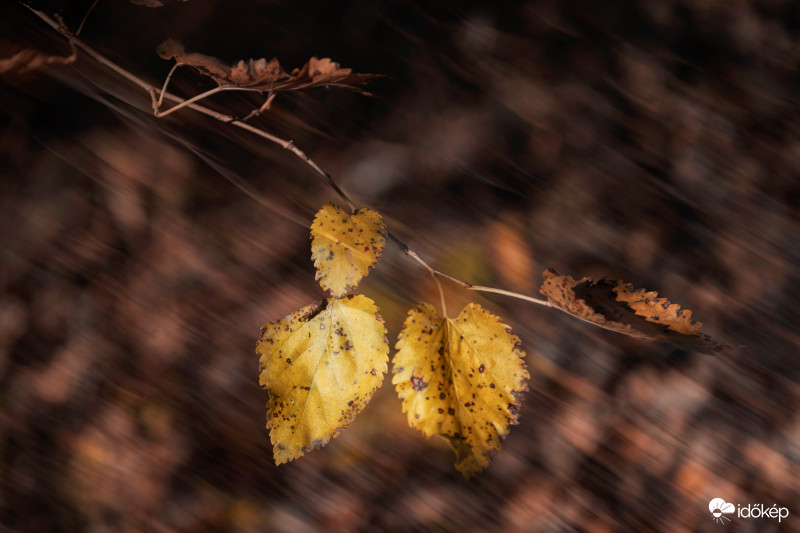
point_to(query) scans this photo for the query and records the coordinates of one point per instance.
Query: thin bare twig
(194, 99)
(264, 107)
(197, 98)
(511, 294)
(191, 103)
(150, 89)
(86, 17)
(439, 274)
(157, 104)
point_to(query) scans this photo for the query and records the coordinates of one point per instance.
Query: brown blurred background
(655, 141)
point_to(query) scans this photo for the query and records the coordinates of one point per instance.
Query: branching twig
(439, 274)
(157, 104)
(194, 99)
(265, 106)
(150, 89)
(158, 97)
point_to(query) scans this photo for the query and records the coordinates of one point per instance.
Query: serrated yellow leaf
(321, 365)
(345, 247)
(461, 379)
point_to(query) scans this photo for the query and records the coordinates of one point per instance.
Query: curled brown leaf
(170, 48)
(617, 306)
(257, 72)
(208, 65)
(262, 75)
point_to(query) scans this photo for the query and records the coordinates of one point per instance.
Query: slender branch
(454, 279)
(439, 274)
(432, 271)
(335, 186)
(511, 294)
(265, 106)
(193, 99)
(415, 256)
(191, 103)
(288, 145)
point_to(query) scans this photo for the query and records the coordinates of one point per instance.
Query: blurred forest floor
(656, 141)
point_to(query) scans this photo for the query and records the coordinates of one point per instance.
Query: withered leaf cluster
(263, 75)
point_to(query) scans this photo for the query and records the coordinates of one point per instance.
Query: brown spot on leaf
(417, 383)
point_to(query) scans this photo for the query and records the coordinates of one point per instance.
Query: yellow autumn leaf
(345, 247)
(321, 365)
(461, 379)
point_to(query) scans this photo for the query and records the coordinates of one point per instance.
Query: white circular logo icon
(719, 508)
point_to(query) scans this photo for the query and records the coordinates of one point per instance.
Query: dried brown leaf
(617, 306)
(170, 48)
(317, 73)
(208, 65)
(257, 72)
(326, 72)
(263, 75)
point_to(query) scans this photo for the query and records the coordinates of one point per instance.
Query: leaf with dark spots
(442, 353)
(417, 383)
(339, 254)
(304, 368)
(617, 306)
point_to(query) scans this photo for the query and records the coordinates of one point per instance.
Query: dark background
(653, 141)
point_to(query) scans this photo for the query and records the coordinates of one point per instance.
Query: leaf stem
(265, 106)
(511, 294)
(157, 105)
(441, 295)
(432, 271)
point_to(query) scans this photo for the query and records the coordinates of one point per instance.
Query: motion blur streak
(655, 142)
